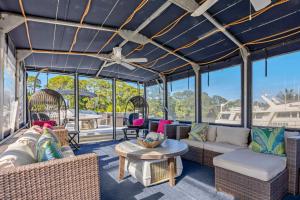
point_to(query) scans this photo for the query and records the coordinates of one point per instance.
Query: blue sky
(225, 82)
(283, 72)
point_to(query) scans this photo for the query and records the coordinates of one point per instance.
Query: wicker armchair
(73, 178)
(170, 129)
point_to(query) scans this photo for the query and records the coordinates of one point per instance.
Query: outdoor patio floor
(196, 182)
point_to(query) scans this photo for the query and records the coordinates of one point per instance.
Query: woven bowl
(149, 144)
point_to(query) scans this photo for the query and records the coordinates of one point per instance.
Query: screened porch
(227, 71)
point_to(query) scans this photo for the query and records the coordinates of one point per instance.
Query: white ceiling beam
(11, 17)
(24, 53)
(141, 38)
(10, 21)
(70, 24)
(170, 51)
(188, 5)
(157, 13)
(192, 5)
(225, 32)
(103, 57)
(47, 67)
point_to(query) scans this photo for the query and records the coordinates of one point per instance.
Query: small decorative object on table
(152, 140)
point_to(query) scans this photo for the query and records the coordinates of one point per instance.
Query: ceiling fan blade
(110, 64)
(128, 66)
(136, 60)
(204, 7)
(260, 4)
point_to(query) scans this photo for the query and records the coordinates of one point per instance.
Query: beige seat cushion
(67, 152)
(256, 165)
(17, 154)
(233, 135)
(220, 147)
(212, 133)
(193, 143)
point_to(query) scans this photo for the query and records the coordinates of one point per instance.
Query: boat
(272, 113)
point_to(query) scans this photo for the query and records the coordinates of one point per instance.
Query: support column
(114, 90)
(196, 69)
(145, 97)
(2, 64)
(76, 96)
(17, 93)
(247, 82)
(165, 95)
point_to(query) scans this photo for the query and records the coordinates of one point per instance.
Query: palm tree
(287, 96)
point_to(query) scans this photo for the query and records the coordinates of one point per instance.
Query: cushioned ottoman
(249, 175)
(151, 172)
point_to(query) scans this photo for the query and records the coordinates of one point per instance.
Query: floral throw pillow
(49, 151)
(48, 146)
(199, 132)
(268, 140)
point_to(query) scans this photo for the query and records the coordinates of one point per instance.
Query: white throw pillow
(30, 139)
(16, 154)
(212, 133)
(233, 135)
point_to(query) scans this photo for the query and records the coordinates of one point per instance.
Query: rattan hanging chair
(139, 106)
(47, 104)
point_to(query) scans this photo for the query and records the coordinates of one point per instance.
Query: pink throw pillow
(138, 122)
(48, 125)
(161, 125)
(42, 123)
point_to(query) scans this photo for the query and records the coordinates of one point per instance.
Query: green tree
(63, 83)
(30, 84)
(124, 92)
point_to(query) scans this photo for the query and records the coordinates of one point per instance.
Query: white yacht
(275, 113)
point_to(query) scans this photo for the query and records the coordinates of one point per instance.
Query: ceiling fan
(257, 5)
(118, 58)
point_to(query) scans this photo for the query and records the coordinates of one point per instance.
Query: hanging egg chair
(139, 109)
(47, 105)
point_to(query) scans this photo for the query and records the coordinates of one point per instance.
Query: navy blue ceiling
(113, 13)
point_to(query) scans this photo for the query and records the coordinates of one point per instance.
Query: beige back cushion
(16, 154)
(233, 135)
(212, 133)
(67, 151)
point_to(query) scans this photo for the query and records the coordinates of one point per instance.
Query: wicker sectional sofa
(244, 173)
(71, 177)
(204, 152)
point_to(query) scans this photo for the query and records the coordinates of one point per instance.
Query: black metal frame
(242, 96)
(199, 99)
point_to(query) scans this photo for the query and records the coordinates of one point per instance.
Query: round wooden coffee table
(167, 150)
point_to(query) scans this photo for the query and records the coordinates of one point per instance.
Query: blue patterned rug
(195, 183)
